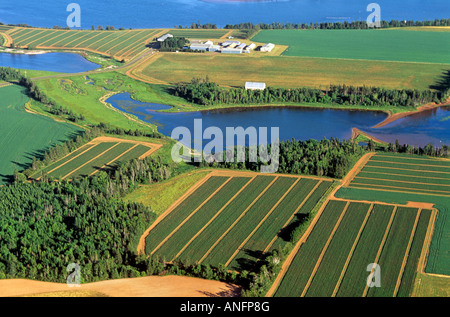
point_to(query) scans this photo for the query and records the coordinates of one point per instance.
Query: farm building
(227, 43)
(200, 47)
(232, 50)
(214, 48)
(267, 47)
(164, 37)
(242, 45)
(209, 42)
(255, 86)
(251, 46)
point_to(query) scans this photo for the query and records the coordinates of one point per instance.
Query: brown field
(285, 71)
(150, 286)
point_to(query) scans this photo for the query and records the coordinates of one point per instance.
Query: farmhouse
(164, 37)
(255, 86)
(267, 47)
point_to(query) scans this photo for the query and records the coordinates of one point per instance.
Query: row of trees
(204, 92)
(173, 43)
(328, 157)
(337, 25)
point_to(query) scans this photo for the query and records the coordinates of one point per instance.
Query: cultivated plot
(233, 218)
(100, 154)
(349, 237)
(407, 174)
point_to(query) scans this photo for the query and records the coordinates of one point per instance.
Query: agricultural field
(400, 179)
(405, 174)
(232, 218)
(283, 71)
(100, 154)
(336, 257)
(382, 45)
(120, 44)
(25, 135)
(198, 34)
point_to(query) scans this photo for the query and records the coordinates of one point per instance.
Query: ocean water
(170, 13)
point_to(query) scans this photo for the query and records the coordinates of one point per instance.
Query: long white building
(267, 47)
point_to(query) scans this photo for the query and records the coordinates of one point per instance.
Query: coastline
(394, 117)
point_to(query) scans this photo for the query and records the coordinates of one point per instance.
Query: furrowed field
(25, 135)
(122, 45)
(283, 71)
(233, 218)
(348, 236)
(399, 179)
(99, 154)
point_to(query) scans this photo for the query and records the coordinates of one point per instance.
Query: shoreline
(394, 117)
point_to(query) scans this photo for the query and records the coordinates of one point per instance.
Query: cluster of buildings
(229, 47)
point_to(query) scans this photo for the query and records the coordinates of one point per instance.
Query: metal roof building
(214, 48)
(251, 46)
(267, 47)
(164, 37)
(255, 86)
(232, 50)
(242, 45)
(226, 43)
(200, 47)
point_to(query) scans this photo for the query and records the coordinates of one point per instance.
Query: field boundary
(115, 159)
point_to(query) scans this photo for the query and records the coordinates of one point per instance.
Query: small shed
(255, 86)
(164, 37)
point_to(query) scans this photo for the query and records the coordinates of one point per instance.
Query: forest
(207, 93)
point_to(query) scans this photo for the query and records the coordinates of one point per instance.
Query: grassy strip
(394, 183)
(409, 273)
(386, 187)
(412, 160)
(330, 268)
(296, 277)
(198, 248)
(402, 171)
(253, 249)
(399, 177)
(178, 240)
(418, 167)
(181, 212)
(393, 251)
(229, 244)
(355, 277)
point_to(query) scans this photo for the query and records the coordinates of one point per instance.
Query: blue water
(168, 13)
(293, 122)
(52, 62)
(299, 123)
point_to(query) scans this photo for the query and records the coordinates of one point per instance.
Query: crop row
(409, 166)
(400, 184)
(406, 178)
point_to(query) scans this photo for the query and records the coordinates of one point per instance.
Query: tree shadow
(229, 291)
(286, 232)
(443, 83)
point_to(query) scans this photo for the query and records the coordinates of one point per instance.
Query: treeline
(358, 25)
(396, 147)
(173, 43)
(327, 157)
(204, 92)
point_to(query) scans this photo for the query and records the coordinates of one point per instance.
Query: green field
(93, 157)
(120, 44)
(198, 34)
(346, 239)
(25, 135)
(384, 45)
(236, 225)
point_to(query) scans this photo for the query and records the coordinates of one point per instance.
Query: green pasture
(25, 135)
(384, 45)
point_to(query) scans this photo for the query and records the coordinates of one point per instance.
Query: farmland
(287, 71)
(386, 45)
(399, 179)
(232, 218)
(347, 237)
(100, 154)
(121, 45)
(25, 135)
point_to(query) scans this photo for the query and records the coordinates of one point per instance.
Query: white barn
(267, 47)
(255, 86)
(164, 37)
